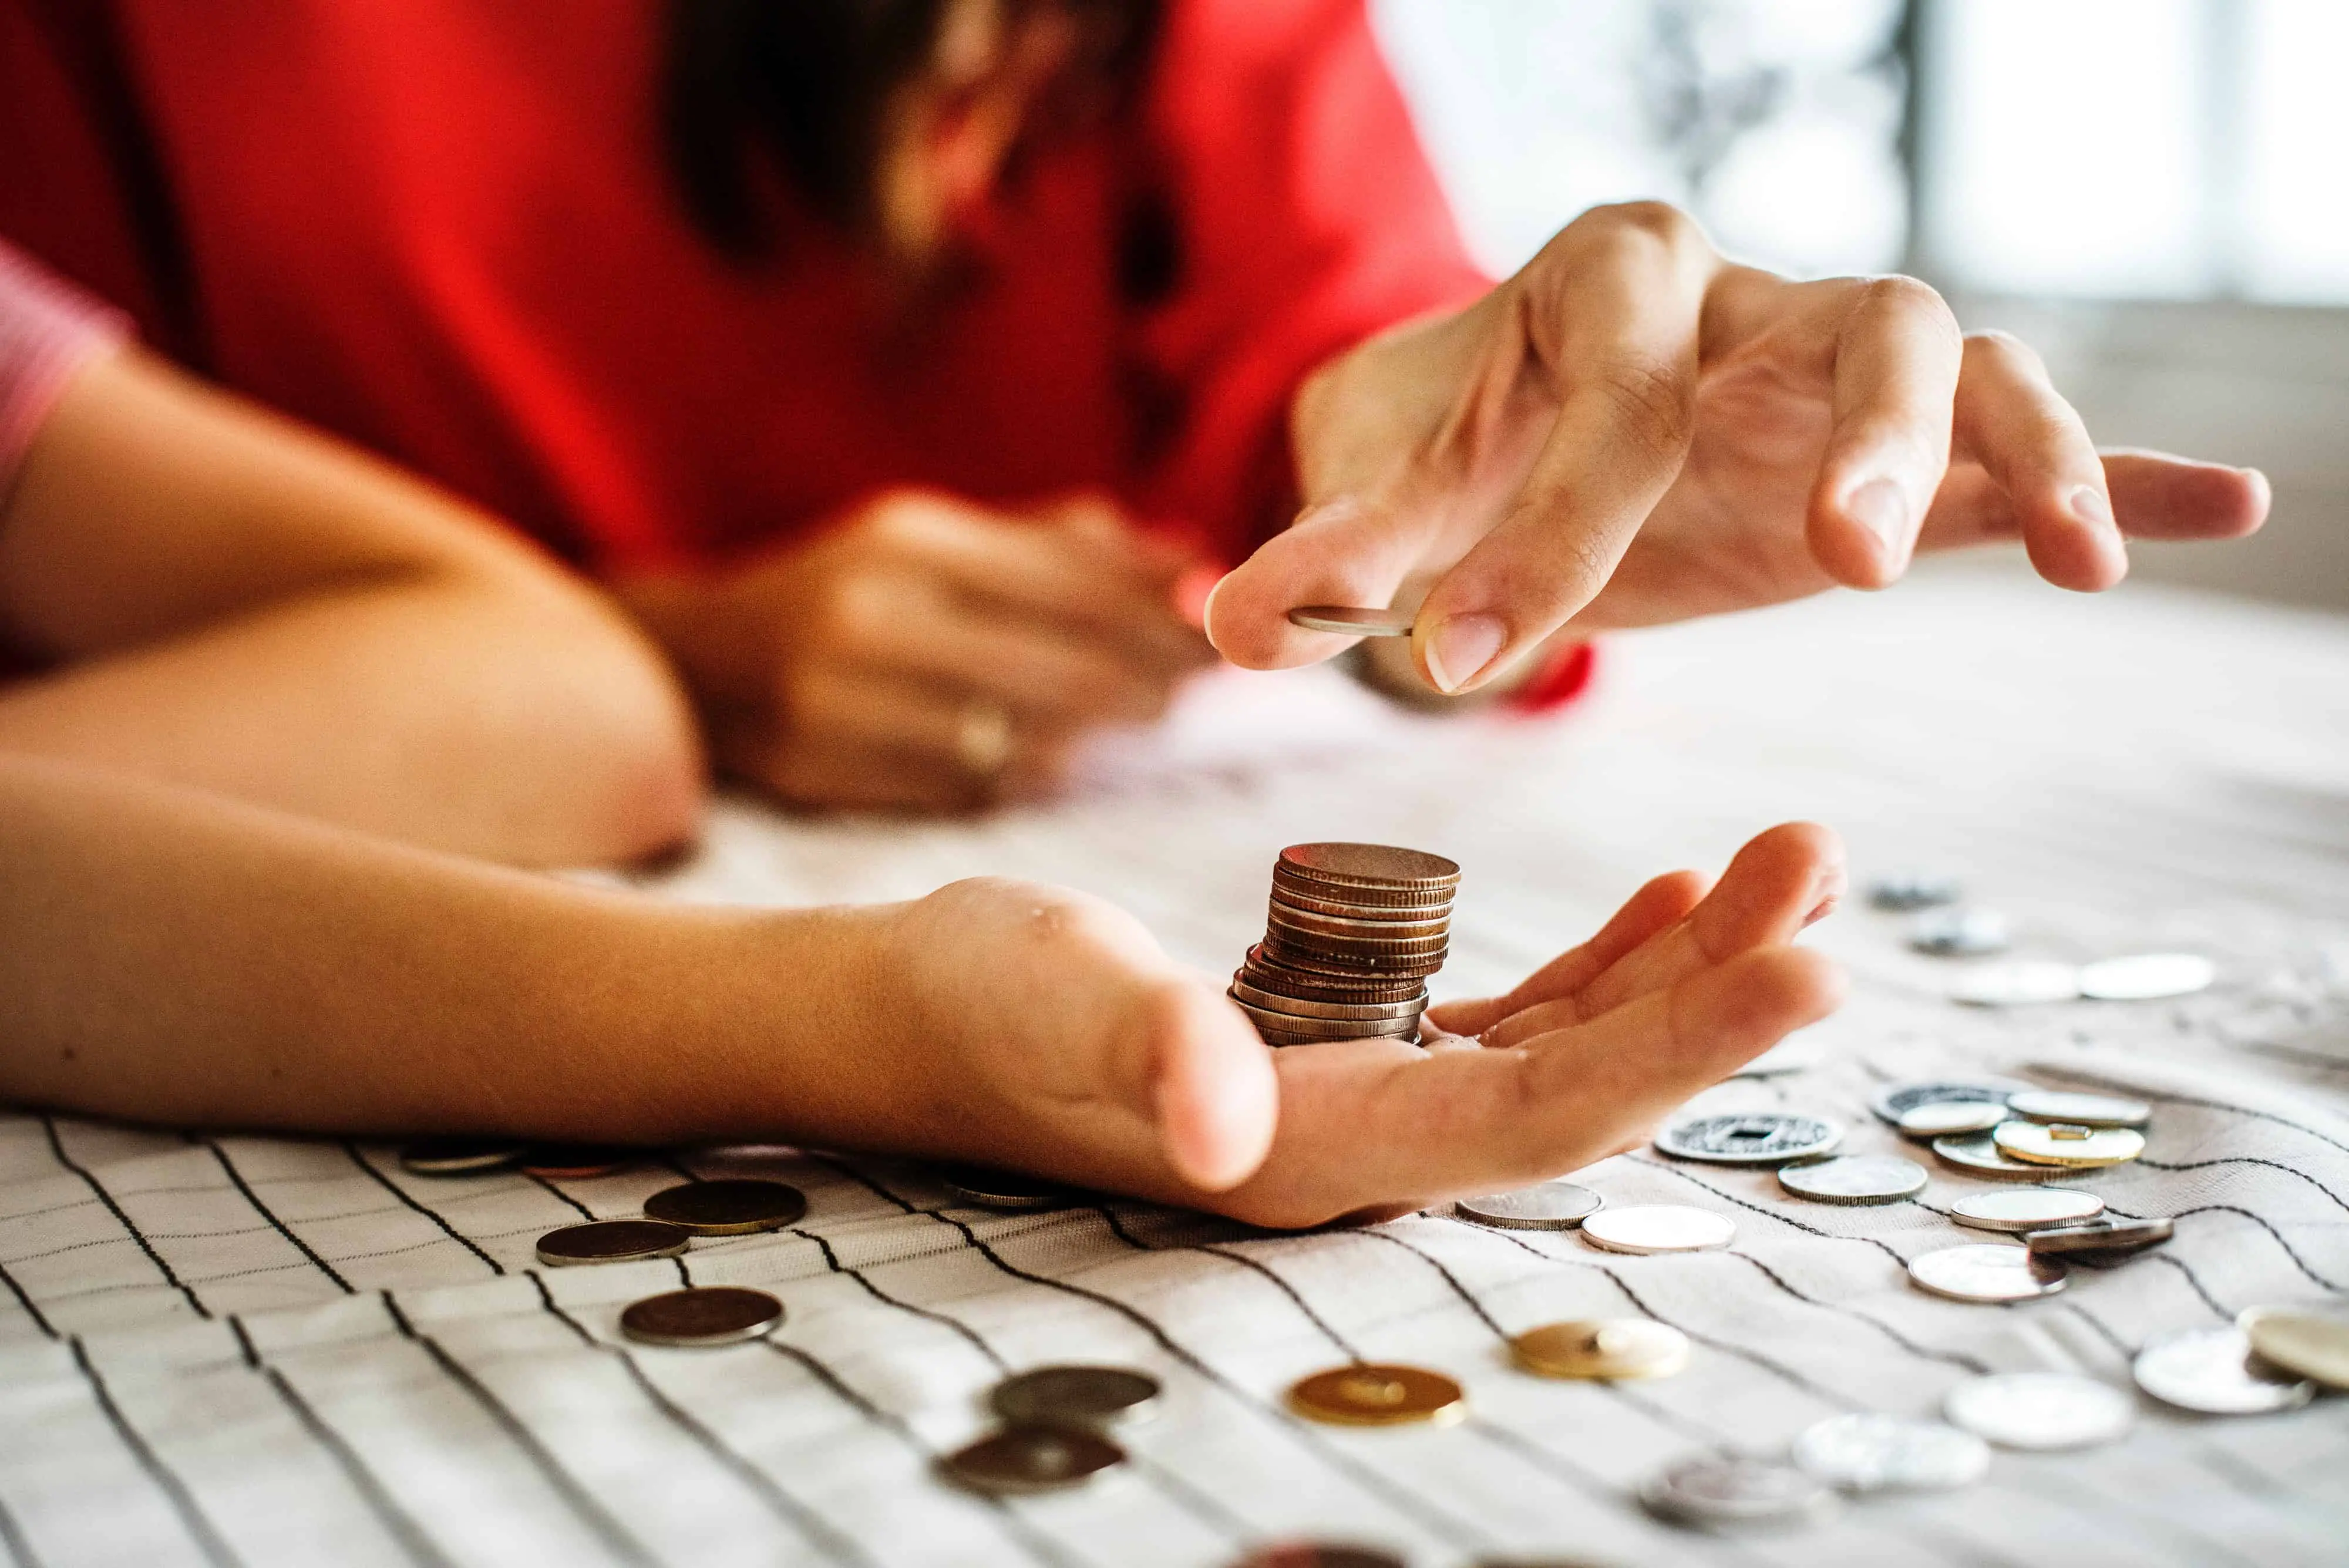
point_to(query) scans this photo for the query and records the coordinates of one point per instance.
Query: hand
(1045, 1031)
(1632, 430)
(927, 654)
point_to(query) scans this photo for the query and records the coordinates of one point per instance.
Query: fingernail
(1881, 508)
(2089, 505)
(1461, 647)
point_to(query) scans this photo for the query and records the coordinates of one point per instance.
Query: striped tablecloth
(219, 1349)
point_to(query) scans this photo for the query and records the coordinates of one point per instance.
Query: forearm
(174, 958)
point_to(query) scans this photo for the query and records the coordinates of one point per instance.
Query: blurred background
(2152, 191)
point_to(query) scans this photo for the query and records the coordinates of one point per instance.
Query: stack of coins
(1353, 932)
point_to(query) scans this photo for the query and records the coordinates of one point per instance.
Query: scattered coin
(575, 1161)
(1349, 620)
(1611, 1350)
(985, 1186)
(1893, 1101)
(612, 1241)
(2025, 983)
(703, 1316)
(1031, 1459)
(2304, 1341)
(730, 1208)
(2103, 1234)
(2148, 977)
(2067, 1143)
(2081, 1110)
(2026, 1208)
(1715, 1493)
(2215, 1372)
(1751, 1137)
(1886, 1453)
(1546, 1205)
(461, 1156)
(1903, 891)
(1372, 1394)
(1649, 1228)
(1320, 1555)
(1986, 1272)
(1854, 1179)
(1080, 1396)
(1940, 1119)
(1979, 1153)
(1959, 933)
(2041, 1411)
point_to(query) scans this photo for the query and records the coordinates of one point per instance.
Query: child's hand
(1046, 1031)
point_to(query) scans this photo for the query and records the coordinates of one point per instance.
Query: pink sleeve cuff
(47, 330)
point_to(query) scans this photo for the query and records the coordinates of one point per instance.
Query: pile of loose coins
(1943, 926)
(1352, 934)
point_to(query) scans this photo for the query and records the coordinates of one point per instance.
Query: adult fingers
(2032, 446)
(2155, 497)
(1660, 904)
(1897, 356)
(1346, 551)
(1211, 1088)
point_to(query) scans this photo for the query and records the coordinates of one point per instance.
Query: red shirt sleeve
(1308, 219)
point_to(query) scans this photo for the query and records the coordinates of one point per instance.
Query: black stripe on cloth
(237, 1177)
(20, 1551)
(2232, 1160)
(1950, 1357)
(2137, 1093)
(97, 1190)
(1345, 1346)
(581, 1209)
(2103, 1331)
(209, 1540)
(40, 1319)
(2196, 1281)
(2298, 1261)
(599, 1521)
(388, 1185)
(794, 1514)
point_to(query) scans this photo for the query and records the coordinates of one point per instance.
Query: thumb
(1212, 1092)
(1343, 551)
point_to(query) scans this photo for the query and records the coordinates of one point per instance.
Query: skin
(224, 600)
(174, 957)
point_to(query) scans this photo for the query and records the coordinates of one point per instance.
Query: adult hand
(1633, 431)
(928, 654)
(1044, 1030)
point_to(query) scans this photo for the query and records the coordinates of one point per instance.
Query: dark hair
(757, 90)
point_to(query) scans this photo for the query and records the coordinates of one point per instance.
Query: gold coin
(1373, 1393)
(2305, 1342)
(1613, 1350)
(2037, 1143)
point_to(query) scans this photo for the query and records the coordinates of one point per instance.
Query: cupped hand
(1633, 431)
(1046, 1032)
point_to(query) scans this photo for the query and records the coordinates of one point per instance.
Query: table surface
(259, 1350)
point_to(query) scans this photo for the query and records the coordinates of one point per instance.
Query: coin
(1374, 866)
(2105, 1234)
(1903, 891)
(987, 1187)
(1249, 995)
(1362, 925)
(2215, 1371)
(1611, 1350)
(2148, 977)
(1715, 1493)
(1646, 1228)
(1546, 1205)
(575, 1161)
(1363, 989)
(2025, 1209)
(1751, 1137)
(460, 1156)
(1892, 1101)
(2311, 1343)
(1885, 1453)
(2067, 1144)
(1986, 1272)
(1031, 1459)
(1371, 1393)
(1854, 1179)
(1265, 1018)
(1959, 933)
(704, 1315)
(1075, 1397)
(1940, 1119)
(1979, 1153)
(1281, 1037)
(2083, 1110)
(1319, 1554)
(2042, 1411)
(1349, 620)
(612, 1241)
(728, 1208)
(1349, 903)
(2025, 983)
(1405, 966)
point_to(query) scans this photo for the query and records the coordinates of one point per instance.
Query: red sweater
(443, 228)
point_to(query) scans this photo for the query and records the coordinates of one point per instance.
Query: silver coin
(1959, 933)
(1649, 1228)
(703, 1316)
(1943, 1118)
(1751, 1137)
(1886, 1453)
(986, 1188)
(1904, 891)
(1350, 620)
(461, 1156)
(1248, 995)
(1328, 1028)
(1546, 1205)
(2214, 1371)
(1986, 1272)
(2028, 982)
(1715, 1493)
(2026, 1209)
(1894, 1100)
(1080, 1396)
(612, 1241)
(2081, 1110)
(2103, 1234)
(1854, 1179)
(1031, 1459)
(1978, 1153)
(2042, 1411)
(2148, 977)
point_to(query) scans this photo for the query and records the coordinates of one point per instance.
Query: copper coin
(575, 1161)
(728, 1208)
(461, 1156)
(1284, 940)
(1031, 1459)
(1370, 1394)
(1251, 995)
(1330, 1028)
(2102, 1234)
(1317, 899)
(1266, 973)
(1271, 1036)
(1369, 865)
(612, 1241)
(1413, 967)
(704, 1315)
(1356, 926)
